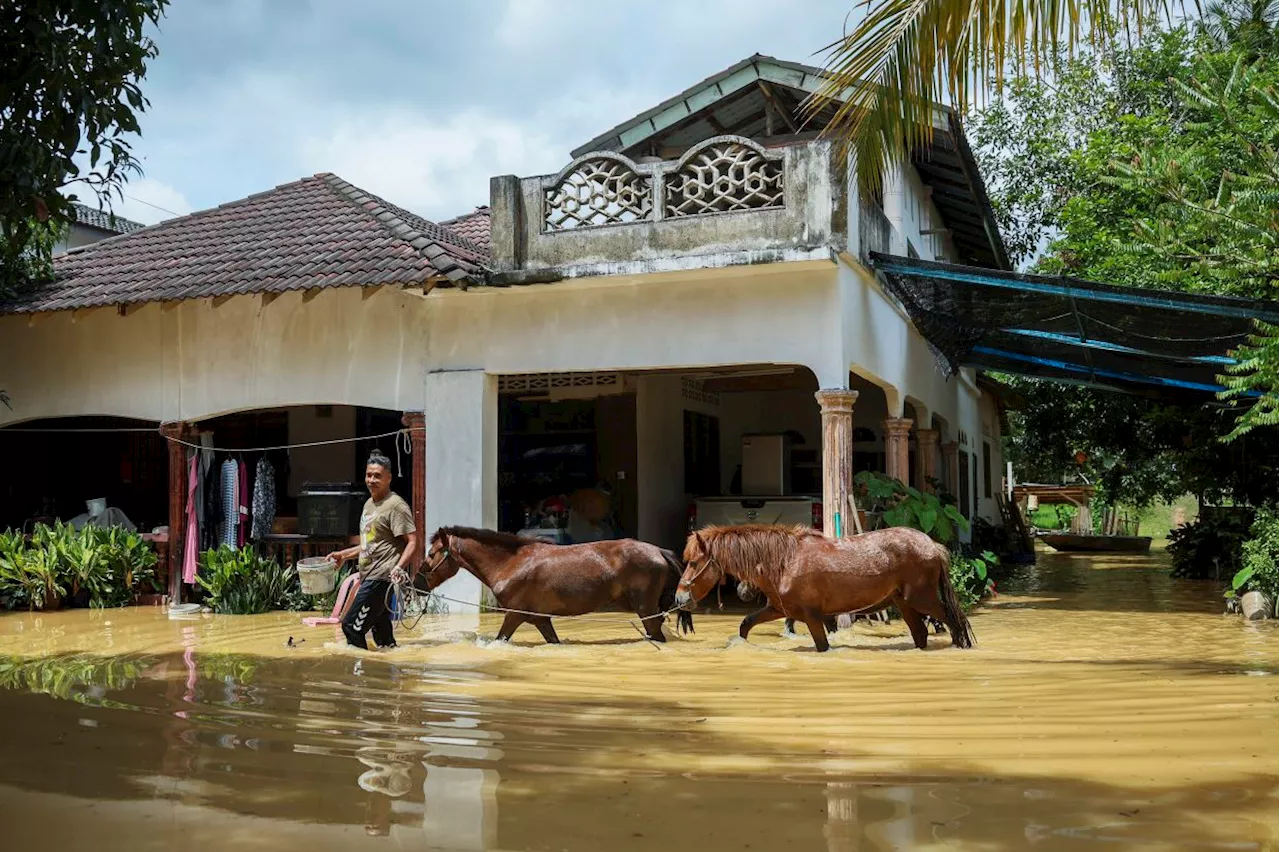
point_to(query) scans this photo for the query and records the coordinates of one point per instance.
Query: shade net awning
(1070, 330)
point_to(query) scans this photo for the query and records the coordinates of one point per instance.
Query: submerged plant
(971, 577)
(1261, 562)
(240, 582)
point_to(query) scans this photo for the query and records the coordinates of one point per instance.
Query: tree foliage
(69, 88)
(1153, 166)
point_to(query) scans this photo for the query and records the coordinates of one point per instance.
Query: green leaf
(1242, 576)
(928, 520)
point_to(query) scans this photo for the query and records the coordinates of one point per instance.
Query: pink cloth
(242, 503)
(191, 547)
(346, 594)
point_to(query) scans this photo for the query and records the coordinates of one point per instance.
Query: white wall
(909, 207)
(765, 411)
(778, 313)
(197, 361)
(462, 464)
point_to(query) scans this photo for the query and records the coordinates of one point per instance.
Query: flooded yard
(1105, 706)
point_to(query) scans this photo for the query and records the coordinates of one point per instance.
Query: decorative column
(950, 471)
(897, 450)
(416, 423)
(837, 460)
(926, 457)
(178, 486)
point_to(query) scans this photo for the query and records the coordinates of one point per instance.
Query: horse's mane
(507, 541)
(755, 553)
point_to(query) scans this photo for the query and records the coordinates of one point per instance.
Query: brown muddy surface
(1106, 706)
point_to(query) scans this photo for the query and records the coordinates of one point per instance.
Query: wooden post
(897, 451)
(950, 472)
(926, 457)
(178, 485)
(837, 459)
(416, 423)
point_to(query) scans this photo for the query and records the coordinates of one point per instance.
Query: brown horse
(806, 576)
(541, 580)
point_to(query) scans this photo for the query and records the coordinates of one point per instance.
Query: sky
(422, 102)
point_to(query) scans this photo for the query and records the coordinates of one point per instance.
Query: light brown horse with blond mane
(808, 577)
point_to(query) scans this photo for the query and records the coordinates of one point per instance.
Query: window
(962, 487)
(986, 469)
(701, 453)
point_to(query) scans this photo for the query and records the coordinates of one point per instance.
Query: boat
(1119, 534)
(1092, 543)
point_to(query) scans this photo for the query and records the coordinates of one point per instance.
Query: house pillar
(416, 423)
(837, 461)
(462, 461)
(897, 449)
(926, 458)
(178, 487)
(950, 471)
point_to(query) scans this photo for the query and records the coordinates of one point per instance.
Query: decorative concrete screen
(723, 175)
(598, 189)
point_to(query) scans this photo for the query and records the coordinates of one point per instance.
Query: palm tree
(1249, 25)
(906, 58)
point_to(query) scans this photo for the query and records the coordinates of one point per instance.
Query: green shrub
(28, 576)
(240, 582)
(903, 506)
(1260, 571)
(105, 567)
(970, 576)
(1210, 547)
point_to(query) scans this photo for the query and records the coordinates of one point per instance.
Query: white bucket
(317, 575)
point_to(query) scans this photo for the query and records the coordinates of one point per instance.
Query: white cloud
(149, 201)
(437, 169)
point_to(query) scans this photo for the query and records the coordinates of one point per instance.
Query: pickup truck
(721, 511)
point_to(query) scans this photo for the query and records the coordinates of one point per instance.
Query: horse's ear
(702, 544)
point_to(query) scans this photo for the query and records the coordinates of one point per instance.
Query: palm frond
(908, 59)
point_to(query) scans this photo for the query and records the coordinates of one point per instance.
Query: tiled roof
(313, 233)
(104, 221)
(474, 226)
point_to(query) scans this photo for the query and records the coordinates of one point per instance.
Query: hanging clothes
(242, 503)
(264, 499)
(191, 545)
(201, 532)
(211, 528)
(229, 502)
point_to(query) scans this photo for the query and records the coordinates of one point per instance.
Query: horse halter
(688, 584)
(445, 553)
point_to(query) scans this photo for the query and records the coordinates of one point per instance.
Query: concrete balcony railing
(728, 200)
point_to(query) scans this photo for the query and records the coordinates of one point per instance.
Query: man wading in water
(387, 544)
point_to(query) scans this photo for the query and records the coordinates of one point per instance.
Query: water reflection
(1105, 705)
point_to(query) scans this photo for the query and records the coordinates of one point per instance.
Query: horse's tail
(958, 625)
(684, 618)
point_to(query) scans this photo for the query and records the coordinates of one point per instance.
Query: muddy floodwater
(1106, 706)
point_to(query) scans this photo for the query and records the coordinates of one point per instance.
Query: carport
(1129, 339)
